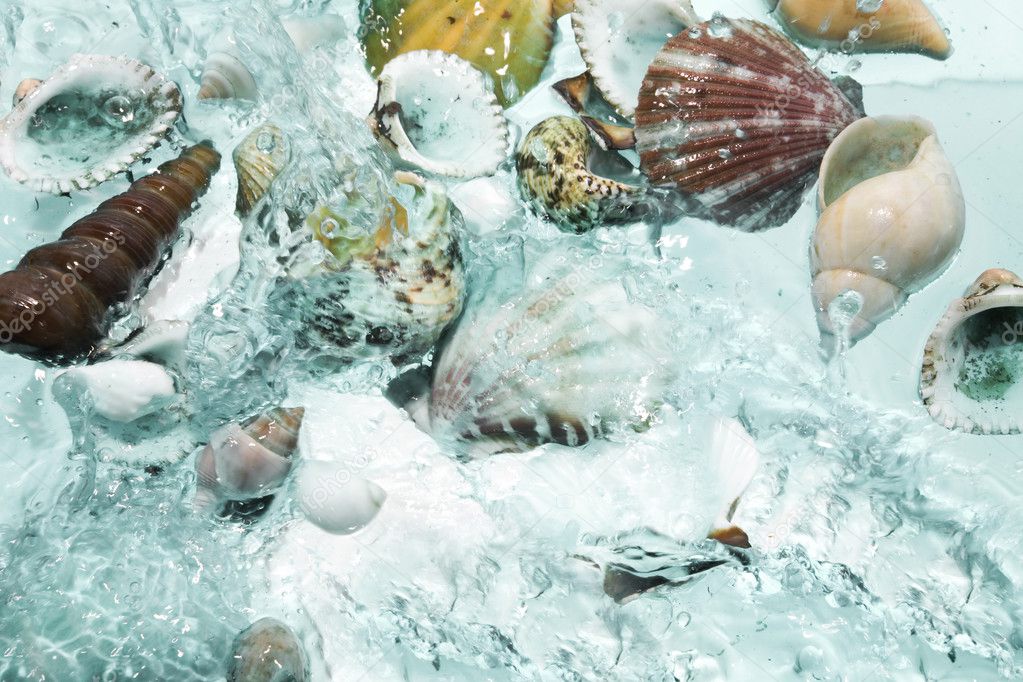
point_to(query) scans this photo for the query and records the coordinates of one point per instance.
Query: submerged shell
(123, 390)
(435, 111)
(735, 117)
(510, 41)
(560, 364)
(619, 38)
(248, 460)
(259, 159)
(267, 651)
(334, 500)
(554, 177)
(972, 375)
(91, 119)
(891, 26)
(25, 88)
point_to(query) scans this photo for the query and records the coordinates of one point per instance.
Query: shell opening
(991, 344)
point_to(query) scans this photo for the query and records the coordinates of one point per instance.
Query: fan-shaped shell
(267, 651)
(558, 364)
(260, 157)
(508, 39)
(736, 118)
(972, 375)
(436, 112)
(91, 119)
(619, 38)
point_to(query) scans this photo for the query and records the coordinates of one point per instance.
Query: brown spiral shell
(54, 305)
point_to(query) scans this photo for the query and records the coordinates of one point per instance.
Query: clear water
(885, 547)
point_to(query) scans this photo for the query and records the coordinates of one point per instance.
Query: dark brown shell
(735, 117)
(54, 306)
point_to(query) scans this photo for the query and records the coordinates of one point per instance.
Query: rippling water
(884, 546)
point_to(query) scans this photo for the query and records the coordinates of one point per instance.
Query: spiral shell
(735, 117)
(260, 157)
(91, 119)
(57, 304)
(267, 651)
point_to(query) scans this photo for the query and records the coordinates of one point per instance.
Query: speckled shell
(69, 132)
(258, 160)
(971, 377)
(736, 118)
(435, 112)
(895, 26)
(508, 40)
(267, 651)
(553, 177)
(619, 38)
(62, 293)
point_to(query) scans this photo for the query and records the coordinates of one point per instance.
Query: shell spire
(735, 117)
(55, 305)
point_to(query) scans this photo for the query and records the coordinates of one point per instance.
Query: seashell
(60, 300)
(509, 41)
(891, 26)
(970, 380)
(554, 178)
(619, 38)
(123, 390)
(162, 341)
(267, 651)
(259, 159)
(435, 111)
(248, 460)
(334, 500)
(391, 292)
(563, 7)
(90, 120)
(892, 218)
(545, 366)
(736, 118)
(736, 460)
(26, 88)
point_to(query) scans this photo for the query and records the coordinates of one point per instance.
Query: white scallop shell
(334, 500)
(436, 112)
(123, 390)
(619, 38)
(972, 375)
(91, 119)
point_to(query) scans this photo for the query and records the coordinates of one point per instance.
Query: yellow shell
(335, 233)
(563, 7)
(508, 39)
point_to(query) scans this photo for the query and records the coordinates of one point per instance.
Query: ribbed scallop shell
(57, 304)
(508, 39)
(258, 160)
(619, 38)
(91, 119)
(735, 117)
(266, 651)
(559, 364)
(436, 112)
(972, 374)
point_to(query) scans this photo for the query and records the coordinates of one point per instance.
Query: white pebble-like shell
(124, 390)
(339, 503)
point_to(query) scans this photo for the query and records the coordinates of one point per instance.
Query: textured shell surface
(562, 363)
(619, 38)
(225, 76)
(719, 120)
(510, 40)
(109, 253)
(258, 160)
(91, 119)
(554, 177)
(334, 500)
(891, 26)
(267, 651)
(892, 218)
(972, 374)
(436, 112)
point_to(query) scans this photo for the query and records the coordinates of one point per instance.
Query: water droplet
(118, 110)
(265, 142)
(330, 228)
(868, 6)
(878, 263)
(725, 153)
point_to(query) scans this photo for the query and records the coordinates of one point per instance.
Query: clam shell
(554, 177)
(436, 112)
(619, 38)
(259, 159)
(510, 41)
(972, 374)
(895, 26)
(91, 119)
(736, 118)
(559, 364)
(267, 651)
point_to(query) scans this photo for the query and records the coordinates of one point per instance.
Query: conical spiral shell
(55, 306)
(735, 117)
(224, 76)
